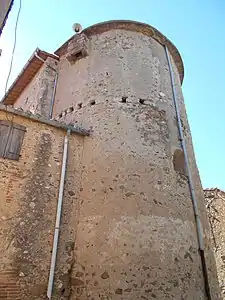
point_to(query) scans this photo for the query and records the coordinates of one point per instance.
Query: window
(77, 48)
(11, 139)
(74, 56)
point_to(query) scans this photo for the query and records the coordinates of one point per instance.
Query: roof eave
(44, 55)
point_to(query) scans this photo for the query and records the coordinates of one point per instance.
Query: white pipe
(41, 59)
(183, 145)
(58, 217)
(190, 181)
(44, 61)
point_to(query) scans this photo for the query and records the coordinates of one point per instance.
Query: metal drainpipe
(58, 216)
(190, 181)
(55, 84)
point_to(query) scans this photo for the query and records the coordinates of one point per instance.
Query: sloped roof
(32, 66)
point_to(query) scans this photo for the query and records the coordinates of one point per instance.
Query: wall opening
(92, 102)
(63, 291)
(141, 101)
(78, 55)
(124, 99)
(79, 105)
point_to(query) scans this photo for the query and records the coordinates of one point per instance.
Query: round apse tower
(136, 237)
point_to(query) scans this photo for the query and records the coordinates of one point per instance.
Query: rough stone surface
(128, 229)
(215, 202)
(136, 218)
(28, 200)
(36, 98)
(77, 48)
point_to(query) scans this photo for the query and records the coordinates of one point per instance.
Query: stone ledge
(38, 118)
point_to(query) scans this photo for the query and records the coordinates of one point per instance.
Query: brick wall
(9, 287)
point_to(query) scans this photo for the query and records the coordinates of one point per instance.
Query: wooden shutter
(15, 142)
(11, 139)
(5, 127)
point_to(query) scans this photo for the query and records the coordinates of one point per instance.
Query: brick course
(9, 287)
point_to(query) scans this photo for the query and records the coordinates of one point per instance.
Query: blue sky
(197, 28)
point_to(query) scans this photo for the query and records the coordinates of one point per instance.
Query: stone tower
(127, 210)
(136, 236)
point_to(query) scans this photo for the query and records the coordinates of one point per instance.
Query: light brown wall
(210, 258)
(136, 236)
(28, 199)
(128, 228)
(216, 211)
(37, 96)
